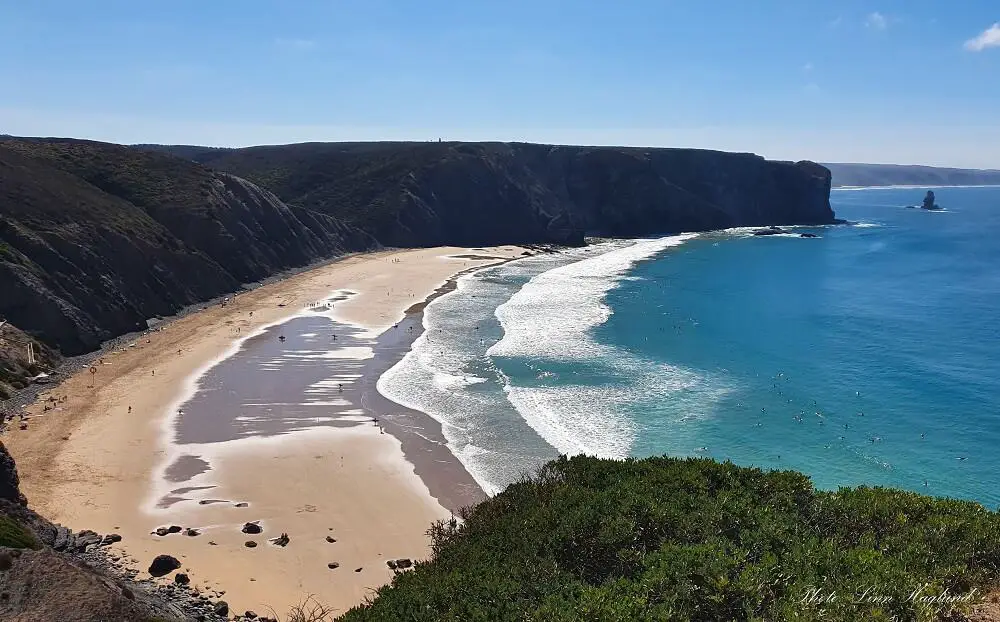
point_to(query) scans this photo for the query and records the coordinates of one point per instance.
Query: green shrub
(697, 540)
(14, 536)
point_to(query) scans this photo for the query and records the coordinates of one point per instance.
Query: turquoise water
(868, 356)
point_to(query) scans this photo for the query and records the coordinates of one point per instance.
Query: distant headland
(849, 175)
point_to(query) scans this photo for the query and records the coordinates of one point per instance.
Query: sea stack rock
(929, 201)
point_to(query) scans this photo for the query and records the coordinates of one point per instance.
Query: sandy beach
(121, 450)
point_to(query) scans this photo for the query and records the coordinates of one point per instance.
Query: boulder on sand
(281, 540)
(163, 565)
(252, 528)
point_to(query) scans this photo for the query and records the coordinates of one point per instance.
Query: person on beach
(130, 410)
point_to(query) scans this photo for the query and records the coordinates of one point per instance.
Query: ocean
(869, 355)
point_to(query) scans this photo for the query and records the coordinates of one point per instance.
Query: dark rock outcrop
(163, 565)
(770, 231)
(928, 202)
(252, 528)
(9, 481)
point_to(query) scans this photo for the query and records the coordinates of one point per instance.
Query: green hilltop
(694, 539)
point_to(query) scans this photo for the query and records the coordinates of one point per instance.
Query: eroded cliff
(426, 194)
(97, 238)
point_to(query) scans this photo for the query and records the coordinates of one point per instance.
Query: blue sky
(912, 81)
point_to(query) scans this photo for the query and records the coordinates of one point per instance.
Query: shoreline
(421, 436)
(74, 469)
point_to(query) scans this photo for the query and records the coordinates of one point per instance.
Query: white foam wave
(552, 318)
(552, 312)
(447, 381)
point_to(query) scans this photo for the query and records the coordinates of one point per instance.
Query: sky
(891, 81)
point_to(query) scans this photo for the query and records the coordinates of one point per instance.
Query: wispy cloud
(807, 67)
(295, 44)
(989, 38)
(876, 21)
(836, 22)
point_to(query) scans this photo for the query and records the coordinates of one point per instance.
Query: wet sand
(308, 372)
(287, 448)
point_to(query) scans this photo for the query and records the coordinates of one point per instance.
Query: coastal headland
(261, 411)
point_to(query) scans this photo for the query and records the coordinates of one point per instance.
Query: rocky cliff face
(97, 238)
(425, 194)
(9, 481)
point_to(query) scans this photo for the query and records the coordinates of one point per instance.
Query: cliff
(97, 238)
(427, 194)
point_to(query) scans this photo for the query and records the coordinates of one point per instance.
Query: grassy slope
(669, 539)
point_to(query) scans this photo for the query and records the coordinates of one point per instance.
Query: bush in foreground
(672, 539)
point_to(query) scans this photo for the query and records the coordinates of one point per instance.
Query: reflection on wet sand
(310, 372)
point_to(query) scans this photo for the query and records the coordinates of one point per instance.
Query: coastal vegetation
(15, 536)
(693, 539)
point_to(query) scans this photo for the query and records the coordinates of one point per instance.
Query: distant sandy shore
(90, 463)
